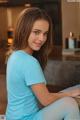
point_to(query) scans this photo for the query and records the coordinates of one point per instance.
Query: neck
(29, 51)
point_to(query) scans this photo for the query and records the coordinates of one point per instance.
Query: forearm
(46, 98)
(52, 97)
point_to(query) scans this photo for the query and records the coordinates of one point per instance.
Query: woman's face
(38, 35)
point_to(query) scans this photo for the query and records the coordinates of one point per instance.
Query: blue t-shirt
(23, 70)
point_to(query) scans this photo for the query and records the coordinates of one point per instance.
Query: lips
(38, 44)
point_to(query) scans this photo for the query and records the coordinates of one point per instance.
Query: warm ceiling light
(27, 5)
(3, 1)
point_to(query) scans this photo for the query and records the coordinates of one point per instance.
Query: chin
(37, 49)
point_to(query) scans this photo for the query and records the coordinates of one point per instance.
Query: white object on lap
(2, 117)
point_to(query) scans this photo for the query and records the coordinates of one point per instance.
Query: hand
(73, 93)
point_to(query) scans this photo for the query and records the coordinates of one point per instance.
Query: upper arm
(34, 74)
(41, 92)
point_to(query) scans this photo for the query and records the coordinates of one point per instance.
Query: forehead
(41, 25)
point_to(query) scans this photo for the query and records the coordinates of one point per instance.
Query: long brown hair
(23, 29)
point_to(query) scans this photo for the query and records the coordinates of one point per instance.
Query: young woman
(26, 84)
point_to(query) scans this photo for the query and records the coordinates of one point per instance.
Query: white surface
(2, 117)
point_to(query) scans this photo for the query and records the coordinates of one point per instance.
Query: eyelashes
(39, 32)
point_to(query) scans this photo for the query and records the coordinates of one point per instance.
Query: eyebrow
(39, 30)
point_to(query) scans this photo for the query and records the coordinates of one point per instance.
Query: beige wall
(70, 19)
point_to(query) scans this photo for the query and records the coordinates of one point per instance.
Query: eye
(36, 32)
(45, 34)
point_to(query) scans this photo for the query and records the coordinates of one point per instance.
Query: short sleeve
(34, 73)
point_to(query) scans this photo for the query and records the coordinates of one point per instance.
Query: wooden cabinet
(3, 94)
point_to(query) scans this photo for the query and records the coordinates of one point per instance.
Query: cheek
(45, 39)
(30, 39)
(44, 42)
(32, 36)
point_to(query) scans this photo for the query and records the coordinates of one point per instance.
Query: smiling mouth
(38, 44)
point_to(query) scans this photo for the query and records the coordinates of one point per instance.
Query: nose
(41, 37)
